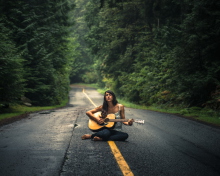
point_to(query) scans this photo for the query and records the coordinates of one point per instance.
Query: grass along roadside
(18, 110)
(203, 115)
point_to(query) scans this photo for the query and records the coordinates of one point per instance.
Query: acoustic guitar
(109, 122)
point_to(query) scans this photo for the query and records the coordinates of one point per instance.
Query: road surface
(48, 143)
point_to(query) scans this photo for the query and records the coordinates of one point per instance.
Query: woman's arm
(130, 122)
(91, 113)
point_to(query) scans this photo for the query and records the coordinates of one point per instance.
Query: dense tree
(196, 57)
(40, 31)
(11, 63)
(11, 70)
(157, 51)
(149, 51)
(45, 42)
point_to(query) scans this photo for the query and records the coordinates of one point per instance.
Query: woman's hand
(100, 121)
(130, 122)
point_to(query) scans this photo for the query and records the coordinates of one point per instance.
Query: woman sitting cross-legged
(110, 106)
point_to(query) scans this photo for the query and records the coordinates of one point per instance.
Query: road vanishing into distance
(48, 143)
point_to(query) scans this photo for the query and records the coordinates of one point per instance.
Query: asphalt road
(48, 144)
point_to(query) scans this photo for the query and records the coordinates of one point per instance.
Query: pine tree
(11, 62)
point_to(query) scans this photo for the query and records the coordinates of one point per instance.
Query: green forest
(150, 52)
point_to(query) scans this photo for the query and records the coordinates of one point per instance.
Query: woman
(110, 105)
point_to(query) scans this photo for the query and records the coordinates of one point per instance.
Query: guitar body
(94, 126)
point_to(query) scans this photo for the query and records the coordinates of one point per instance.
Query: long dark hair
(105, 103)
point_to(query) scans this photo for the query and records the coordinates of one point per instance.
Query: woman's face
(108, 97)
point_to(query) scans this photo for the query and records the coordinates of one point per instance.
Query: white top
(118, 125)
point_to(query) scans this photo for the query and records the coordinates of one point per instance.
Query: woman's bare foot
(86, 136)
(96, 138)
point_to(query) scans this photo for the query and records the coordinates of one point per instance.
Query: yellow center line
(89, 98)
(116, 152)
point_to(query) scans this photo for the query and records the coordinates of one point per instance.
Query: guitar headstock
(139, 121)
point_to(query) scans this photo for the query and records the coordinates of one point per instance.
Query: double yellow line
(116, 152)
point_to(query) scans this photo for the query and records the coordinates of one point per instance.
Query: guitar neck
(125, 120)
(118, 120)
(111, 118)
